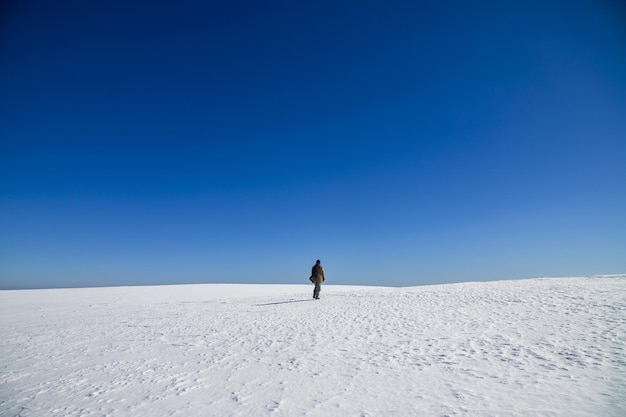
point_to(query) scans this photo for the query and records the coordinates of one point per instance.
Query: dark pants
(317, 289)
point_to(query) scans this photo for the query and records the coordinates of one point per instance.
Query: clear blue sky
(402, 143)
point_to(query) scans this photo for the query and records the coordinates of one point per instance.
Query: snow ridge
(543, 347)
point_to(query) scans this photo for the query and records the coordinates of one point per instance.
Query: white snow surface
(541, 347)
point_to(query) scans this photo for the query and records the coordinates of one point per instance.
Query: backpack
(316, 270)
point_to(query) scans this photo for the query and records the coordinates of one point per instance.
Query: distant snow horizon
(17, 287)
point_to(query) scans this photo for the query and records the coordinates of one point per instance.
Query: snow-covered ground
(543, 347)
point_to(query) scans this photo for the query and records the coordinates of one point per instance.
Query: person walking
(317, 277)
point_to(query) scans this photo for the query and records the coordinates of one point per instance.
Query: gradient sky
(402, 143)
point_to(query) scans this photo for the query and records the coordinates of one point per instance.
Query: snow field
(543, 347)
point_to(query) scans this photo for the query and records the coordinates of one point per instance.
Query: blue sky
(402, 143)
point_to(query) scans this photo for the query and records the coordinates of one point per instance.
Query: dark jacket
(317, 274)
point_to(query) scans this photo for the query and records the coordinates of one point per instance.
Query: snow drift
(543, 347)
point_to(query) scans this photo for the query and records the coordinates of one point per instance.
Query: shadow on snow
(283, 302)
